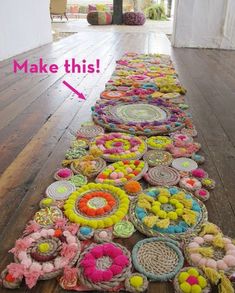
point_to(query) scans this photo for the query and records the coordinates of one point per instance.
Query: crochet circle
(149, 258)
(120, 146)
(162, 175)
(154, 117)
(60, 190)
(49, 251)
(89, 131)
(121, 172)
(168, 212)
(159, 142)
(97, 205)
(212, 251)
(184, 164)
(104, 266)
(157, 157)
(191, 278)
(46, 217)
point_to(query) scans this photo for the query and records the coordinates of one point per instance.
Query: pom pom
(193, 272)
(96, 276)
(132, 187)
(192, 280)
(183, 277)
(185, 287)
(97, 251)
(107, 275)
(116, 269)
(121, 260)
(202, 282)
(136, 281)
(196, 289)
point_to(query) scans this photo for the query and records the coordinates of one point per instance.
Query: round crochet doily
(157, 258)
(162, 175)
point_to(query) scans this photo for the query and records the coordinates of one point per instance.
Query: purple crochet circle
(134, 18)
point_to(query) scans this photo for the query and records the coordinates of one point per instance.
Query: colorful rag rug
(137, 168)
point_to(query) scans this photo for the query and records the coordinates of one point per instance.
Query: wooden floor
(39, 115)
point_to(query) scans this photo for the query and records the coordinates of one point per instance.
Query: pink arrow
(80, 95)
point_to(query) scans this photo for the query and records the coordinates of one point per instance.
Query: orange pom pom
(132, 187)
(58, 233)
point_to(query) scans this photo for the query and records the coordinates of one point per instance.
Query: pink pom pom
(88, 272)
(26, 262)
(64, 173)
(111, 250)
(202, 261)
(87, 263)
(121, 260)
(195, 257)
(198, 240)
(221, 265)
(230, 246)
(97, 251)
(193, 245)
(114, 175)
(96, 276)
(199, 173)
(227, 240)
(107, 275)
(192, 280)
(116, 269)
(231, 252)
(208, 238)
(229, 260)
(211, 263)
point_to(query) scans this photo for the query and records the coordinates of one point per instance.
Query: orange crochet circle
(112, 94)
(96, 203)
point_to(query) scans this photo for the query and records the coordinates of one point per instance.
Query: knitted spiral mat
(135, 168)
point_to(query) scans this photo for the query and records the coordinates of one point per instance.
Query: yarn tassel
(218, 241)
(209, 228)
(204, 251)
(225, 285)
(212, 275)
(163, 223)
(219, 279)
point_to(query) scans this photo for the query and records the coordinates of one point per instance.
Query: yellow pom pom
(196, 289)
(179, 205)
(155, 209)
(185, 287)
(162, 214)
(193, 272)
(47, 201)
(174, 201)
(202, 282)
(43, 247)
(183, 277)
(172, 215)
(179, 212)
(163, 199)
(136, 281)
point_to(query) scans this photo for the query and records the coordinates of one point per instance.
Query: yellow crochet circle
(159, 142)
(97, 222)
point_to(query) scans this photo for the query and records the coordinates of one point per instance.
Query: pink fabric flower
(69, 251)
(31, 227)
(72, 228)
(70, 273)
(16, 270)
(31, 278)
(60, 223)
(21, 245)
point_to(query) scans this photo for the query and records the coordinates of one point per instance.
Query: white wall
(24, 25)
(204, 23)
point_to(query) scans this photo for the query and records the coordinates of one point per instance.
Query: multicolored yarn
(143, 97)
